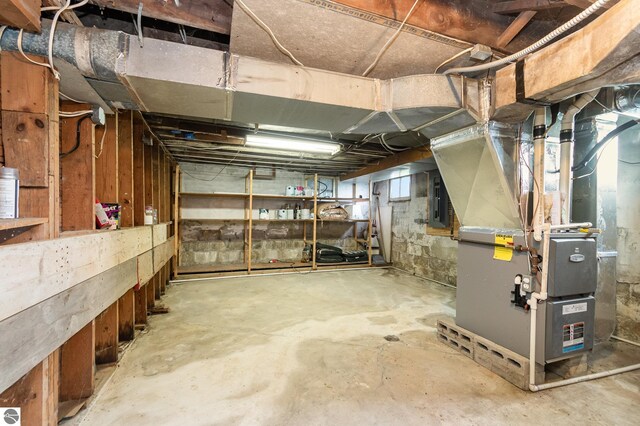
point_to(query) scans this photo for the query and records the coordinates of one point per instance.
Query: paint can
(263, 214)
(282, 214)
(290, 191)
(290, 213)
(9, 192)
(299, 191)
(305, 213)
(308, 192)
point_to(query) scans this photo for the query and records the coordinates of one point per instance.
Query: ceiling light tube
(291, 144)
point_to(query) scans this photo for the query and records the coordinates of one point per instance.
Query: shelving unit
(249, 196)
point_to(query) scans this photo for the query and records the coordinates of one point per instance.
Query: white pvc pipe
(539, 130)
(571, 226)
(631, 342)
(566, 151)
(536, 388)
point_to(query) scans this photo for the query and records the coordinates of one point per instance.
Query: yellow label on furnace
(503, 253)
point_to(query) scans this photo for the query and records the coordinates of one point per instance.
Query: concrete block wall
(412, 250)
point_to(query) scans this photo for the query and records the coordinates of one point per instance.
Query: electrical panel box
(569, 327)
(572, 266)
(438, 202)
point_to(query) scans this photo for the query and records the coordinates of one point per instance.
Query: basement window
(400, 188)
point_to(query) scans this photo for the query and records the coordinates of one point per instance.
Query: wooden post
(157, 282)
(250, 228)
(107, 335)
(314, 265)
(151, 293)
(369, 249)
(176, 220)
(77, 365)
(125, 169)
(126, 316)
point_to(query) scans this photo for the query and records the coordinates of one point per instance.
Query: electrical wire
(537, 45)
(629, 162)
(388, 43)
(389, 147)
(70, 98)
(75, 113)
(600, 146)
(266, 28)
(454, 57)
(102, 141)
(77, 145)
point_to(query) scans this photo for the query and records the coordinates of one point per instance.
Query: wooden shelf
(23, 222)
(214, 194)
(186, 219)
(283, 197)
(339, 199)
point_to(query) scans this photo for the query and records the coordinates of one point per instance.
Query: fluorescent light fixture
(291, 144)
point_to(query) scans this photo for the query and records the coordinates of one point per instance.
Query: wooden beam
(68, 15)
(23, 14)
(514, 29)
(210, 15)
(517, 6)
(589, 58)
(473, 22)
(404, 157)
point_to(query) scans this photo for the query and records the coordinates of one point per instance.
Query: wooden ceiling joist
(210, 15)
(23, 14)
(517, 6)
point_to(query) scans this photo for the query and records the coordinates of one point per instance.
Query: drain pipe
(539, 131)
(93, 51)
(566, 151)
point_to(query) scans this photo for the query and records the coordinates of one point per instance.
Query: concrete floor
(309, 349)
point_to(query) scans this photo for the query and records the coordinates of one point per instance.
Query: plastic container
(9, 193)
(148, 215)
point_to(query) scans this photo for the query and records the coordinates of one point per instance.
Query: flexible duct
(93, 51)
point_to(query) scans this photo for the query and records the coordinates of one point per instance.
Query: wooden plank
(28, 393)
(517, 6)
(107, 335)
(36, 271)
(126, 316)
(157, 284)
(145, 267)
(404, 157)
(77, 181)
(67, 15)
(33, 333)
(514, 29)
(107, 161)
(24, 85)
(210, 15)
(77, 365)
(141, 305)
(138, 171)
(155, 163)
(25, 138)
(125, 168)
(23, 14)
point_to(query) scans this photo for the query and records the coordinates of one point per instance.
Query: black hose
(600, 145)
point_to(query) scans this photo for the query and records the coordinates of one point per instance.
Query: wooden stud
(249, 216)
(151, 293)
(107, 161)
(314, 264)
(155, 161)
(176, 220)
(77, 365)
(157, 280)
(77, 183)
(28, 393)
(148, 176)
(107, 335)
(138, 172)
(126, 316)
(141, 305)
(125, 169)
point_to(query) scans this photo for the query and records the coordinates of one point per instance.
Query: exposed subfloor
(307, 349)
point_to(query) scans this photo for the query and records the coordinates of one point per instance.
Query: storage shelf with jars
(297, 206)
